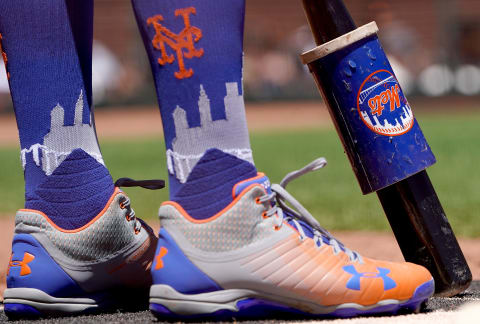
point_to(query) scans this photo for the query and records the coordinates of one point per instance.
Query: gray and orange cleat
(57, 272)
(259, 257)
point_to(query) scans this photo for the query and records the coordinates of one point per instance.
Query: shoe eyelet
(257, 200)
(122, 206)
(127, 217)
(277, 228)
(137, 231)
(264, 215)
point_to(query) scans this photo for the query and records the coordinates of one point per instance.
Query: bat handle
(328, 19)
(411, 205)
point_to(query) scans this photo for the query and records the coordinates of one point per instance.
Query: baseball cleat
(260, 257)
(57, 272)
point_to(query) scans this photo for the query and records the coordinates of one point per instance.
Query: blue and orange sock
(195, 50)
(48, 51)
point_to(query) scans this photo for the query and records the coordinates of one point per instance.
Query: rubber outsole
(254, 308)
(16, 311)
(40, 305)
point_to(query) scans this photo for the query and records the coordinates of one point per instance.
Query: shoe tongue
(260, 179)
(308, 230)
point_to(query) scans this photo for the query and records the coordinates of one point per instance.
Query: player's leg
(76, 229)
(197, 68)
(225, 246)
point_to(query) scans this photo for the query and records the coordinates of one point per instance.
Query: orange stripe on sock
(116, 192)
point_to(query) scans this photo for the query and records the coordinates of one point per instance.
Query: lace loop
(130, 214)
(297, 213)
(153, 184)
(312, 166)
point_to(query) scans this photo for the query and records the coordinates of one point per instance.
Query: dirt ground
(145, 121)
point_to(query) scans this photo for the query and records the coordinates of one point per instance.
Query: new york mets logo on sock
(23, 264)
(354, 282)
(183, 43)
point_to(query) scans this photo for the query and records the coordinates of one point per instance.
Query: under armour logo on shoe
(158, 258)
(178, 42)
(354, 282)
(24, 268)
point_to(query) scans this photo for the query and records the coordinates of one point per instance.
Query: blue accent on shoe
(264, 181)
(388, 283)
(32, 267)
(249, 308)
(209, 187)
(75, 192)
(21, 311)
(176, 270)
(354, 282)
(252, 308)
(308, 230)
(421, 294)
(40, 271)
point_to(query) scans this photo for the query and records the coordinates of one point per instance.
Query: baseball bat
(388, 157)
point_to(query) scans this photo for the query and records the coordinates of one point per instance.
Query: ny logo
(24, 268)
(354, 282)
(182, 43)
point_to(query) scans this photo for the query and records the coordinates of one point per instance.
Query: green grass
(332, 194)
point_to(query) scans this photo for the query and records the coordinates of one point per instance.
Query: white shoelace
(300, 213)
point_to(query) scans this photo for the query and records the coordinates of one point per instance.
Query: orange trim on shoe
(206, 220)
(258, 176)
(116, 192)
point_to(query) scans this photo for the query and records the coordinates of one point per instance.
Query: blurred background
(434, 48)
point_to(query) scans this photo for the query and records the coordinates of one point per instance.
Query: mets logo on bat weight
(183, 43)
(382, 105)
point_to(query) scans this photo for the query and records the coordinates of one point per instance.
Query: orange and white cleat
(258, 257)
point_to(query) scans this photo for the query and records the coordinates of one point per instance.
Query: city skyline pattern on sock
(196, 52)
(48, 51)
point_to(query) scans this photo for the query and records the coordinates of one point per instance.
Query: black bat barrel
(405, 191)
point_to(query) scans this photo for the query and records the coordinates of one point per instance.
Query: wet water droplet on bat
(371, 55)
(352, 65)
(407, 159)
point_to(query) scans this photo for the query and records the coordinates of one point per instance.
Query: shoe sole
(168, 304)
(30, 302)
(21, 303)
